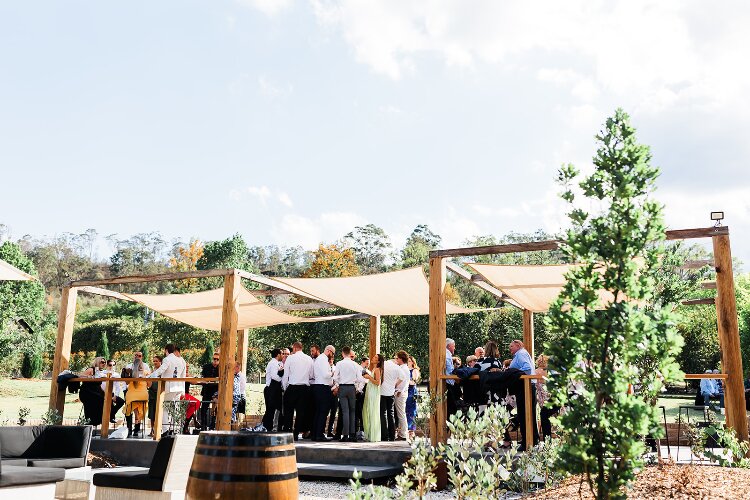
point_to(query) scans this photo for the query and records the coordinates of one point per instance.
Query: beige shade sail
(203, 309)
(397, 293)
(10, 273)
(533, 287)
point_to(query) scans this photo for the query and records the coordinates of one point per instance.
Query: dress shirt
(298, 370)
(449, 366)
(405, 376)
(170, 366)
(181, 370)
(522, 361)
(708, 386)
(272, 371)
(391, 373)
(239, 385)
(359, 385)
(322, 371)
(347, 372)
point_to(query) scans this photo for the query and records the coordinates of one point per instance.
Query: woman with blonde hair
(136, 398)
(542, 397)
(411, 400)
(91, 393)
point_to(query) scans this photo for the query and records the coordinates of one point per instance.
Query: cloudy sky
(293, 121)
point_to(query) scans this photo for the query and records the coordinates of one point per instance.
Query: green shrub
(31, 367)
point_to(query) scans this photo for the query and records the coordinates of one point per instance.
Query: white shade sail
(397, 293)
(11, 273)
(204, 309)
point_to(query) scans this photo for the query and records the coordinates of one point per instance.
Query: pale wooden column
(229, 315)
(159, 410)
(729, 337)
(437, 348)
(528, 332)
(107, 410)
(65, 320)
(242, 346)
(374, 335)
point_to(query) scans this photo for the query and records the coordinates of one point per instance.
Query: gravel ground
(313, 490)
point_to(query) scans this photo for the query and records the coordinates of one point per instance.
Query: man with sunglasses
(208, 391)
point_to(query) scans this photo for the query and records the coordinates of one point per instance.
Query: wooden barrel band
(235, 453)
(244, 440)
(242, 478)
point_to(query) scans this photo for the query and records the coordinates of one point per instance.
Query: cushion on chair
(17, 440)
(61, 441)
(160, 461)
(64, 463)
(131, 480)
(17, 462)
(19, 476)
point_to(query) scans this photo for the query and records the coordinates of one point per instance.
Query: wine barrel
(241, 464)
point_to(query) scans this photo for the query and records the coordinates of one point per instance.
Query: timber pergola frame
(726, 312)
(232, 339)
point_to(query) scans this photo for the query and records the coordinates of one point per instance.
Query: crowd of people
(375, 397)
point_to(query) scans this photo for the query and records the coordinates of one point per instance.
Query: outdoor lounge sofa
(60, 446)
(166, 478)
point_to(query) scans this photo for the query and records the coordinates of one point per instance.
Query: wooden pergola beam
(61, 361)
(104, 292)
(697, 264)
(698, 302)
(147, 278)
(264, 280)
(374, 335)
(478, 281)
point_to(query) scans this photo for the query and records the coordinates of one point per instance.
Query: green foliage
(146, 351)
(52, 417)
(274, 261)
(31, 367)
(598, 349)
(120, 334)
(103, 347)
(23, 414)
(224, 254)
(370, 244)
(734, 450)
(208, 354)
(700, 352)
(418, 245)
(19, 299)
(143, 253)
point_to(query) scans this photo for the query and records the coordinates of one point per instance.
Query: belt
(346, 385)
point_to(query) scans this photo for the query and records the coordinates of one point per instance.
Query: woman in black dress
(91, 393)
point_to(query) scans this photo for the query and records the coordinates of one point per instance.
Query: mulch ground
(100, 461)
(669, 481)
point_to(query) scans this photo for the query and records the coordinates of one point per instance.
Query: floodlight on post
(718, 217)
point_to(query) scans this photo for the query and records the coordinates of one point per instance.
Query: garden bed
(668, 481)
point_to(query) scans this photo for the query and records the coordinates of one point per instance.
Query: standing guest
(209, 389)
(491, 360)
(361, 386)
(296, 383)
(278, 420)
(272, 393)
(543, 397)
(117, 389)
(91, 393)
(411, 400)
(371, 417)
(322, 384)
(153, 387)
(169, 368)
(521, 358)
(182, 370)
(452, 392)
(347, 374)
(401, 394)
(139, 354)
(239, 388)
(522, 361)
(719, 389)
(136, 398)
(333, 406)
(391, 373)
(479, 352)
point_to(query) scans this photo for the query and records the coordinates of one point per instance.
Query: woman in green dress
(371, 407)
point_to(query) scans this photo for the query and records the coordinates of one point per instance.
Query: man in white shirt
(239, 389)
(402, 392)
(321, 387)
(298, 370)
(391, 374)
(171, 365)
(360, 387)
(346, 375)
(272, 390)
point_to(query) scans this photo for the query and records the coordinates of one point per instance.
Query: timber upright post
(229, 318)
(65, 320)
(437, 360)
(528, 332)
(374, 335)
(242, 348)
(729, 337)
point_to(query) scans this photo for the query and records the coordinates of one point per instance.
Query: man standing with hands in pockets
(346, 374)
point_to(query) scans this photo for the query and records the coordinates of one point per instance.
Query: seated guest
(491, 360)
(136, 398)
(479, 352)
(92, 394)
(456, 363)
(471, 360)
(239, 387)
(153, 387)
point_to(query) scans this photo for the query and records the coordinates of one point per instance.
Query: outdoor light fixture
(718, 217)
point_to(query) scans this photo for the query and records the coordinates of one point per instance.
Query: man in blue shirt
(521, 358)
(522, 361)
(453, 389)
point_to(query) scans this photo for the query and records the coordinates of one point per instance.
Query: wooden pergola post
(437, 348)
(528, 332)
(374, 335)
(729, 337)
(229, 318)
(242, 346)
(65, 320)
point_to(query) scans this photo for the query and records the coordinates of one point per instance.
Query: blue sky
(292, 122)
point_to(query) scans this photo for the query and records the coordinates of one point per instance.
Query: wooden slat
(305, 307)
(528, 332)
(61, 361)
(374, 335)
(698, 302)
(697, 264)
(708, 285)
(104, 292)
(107, 410)
(146, 278)
(700, 232)
(480, 283)
(194, 380)
(528, 417)
(229, 317)
(729, 337)
(712, 376)
(159, 410)
(437, 332)
(264, 280)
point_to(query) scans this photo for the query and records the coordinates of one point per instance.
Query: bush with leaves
(601, 316)
(23, 414)
(31, 366)
(52, 417)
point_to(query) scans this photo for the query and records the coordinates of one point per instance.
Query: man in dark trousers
(272, 390)
(208, 390)
(298, 370)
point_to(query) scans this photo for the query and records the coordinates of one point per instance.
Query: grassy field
(34, 395)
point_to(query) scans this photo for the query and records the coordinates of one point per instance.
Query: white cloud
(262, 194)
(284, 199)
(268, 7)
(271, 89)
(295, 229)
(390, 109)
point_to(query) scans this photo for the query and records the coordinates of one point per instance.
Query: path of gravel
(314, 490)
